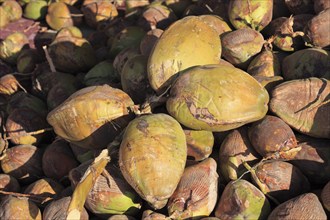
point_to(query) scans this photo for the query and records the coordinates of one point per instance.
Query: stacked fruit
(165, 109)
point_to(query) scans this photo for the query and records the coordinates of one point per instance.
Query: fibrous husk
(129, 37)
(102, 73)
(304, 105)
(250, 14)
(152, 215)
(242, 200)
(311, 62)
(320, 5)
(26, 100)
(187, 42)
(18, 208)
(265, 64)
(45, 81)
(197, 192)
(22, 121)
(152, 157)
(72, 54)
(197, 101)
(92, 117)
(57, 210)
(9, 84)
(305, 206)
(27, 60)
(271, 136)
(317, 30)
(111, 194)
(286, 32)
(59, 93)
(235, 149)
(157, 16)
(280, 180)
(23, 162)
(314, 160)
(240, 46)
(325, 196)
(58, 160)
(98, 12)
(122, 57)
(9, 183)
(149, 40)
(45, 190)
(178, 6)
(269, 82)
(300, 6)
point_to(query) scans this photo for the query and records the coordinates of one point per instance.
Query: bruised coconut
(206, 98)
(280, 180)
(234, 150)
(305, 206)
(199, 144)
(311, 62)
(250, 14)
(242, 200)
(110, 194)
(304, 105)
(187, 42)
(152, 157)
(271, 136)
(92, 117)
(197, 191)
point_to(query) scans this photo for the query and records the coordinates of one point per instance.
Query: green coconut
(152, 157)
(187, 42)
(207, 98)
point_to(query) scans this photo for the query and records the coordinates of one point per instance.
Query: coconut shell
(197, 101)
(302, 104)
(152, 157)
